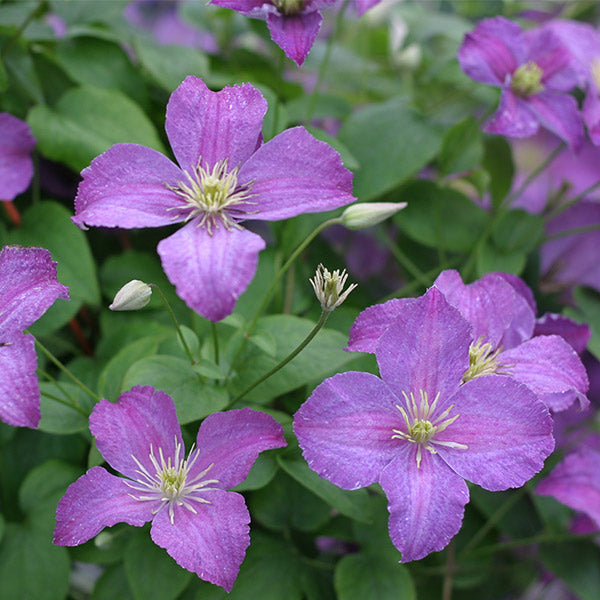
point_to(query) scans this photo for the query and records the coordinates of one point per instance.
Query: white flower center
(213, 195)
(422, 425)
(169, 485)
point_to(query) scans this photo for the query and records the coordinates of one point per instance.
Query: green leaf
(31, 566)
(3, 77)
(391, 142)
(59, 418)
(193, 398)
(518, 231)
(347, 157)
(111, 378)
(151, 572)
(99, 63)
(323, 356)
(498, 162)
(367, 577)
(577, 563)
(462, 147)
(2, 527)
(170, 64)
(440, 217)
(588, 311)
(84, 11)
(207, 368)
(262, 472)
(113, 584)
(490, 259)
(353, 504)
(87, 121)
(48, 224)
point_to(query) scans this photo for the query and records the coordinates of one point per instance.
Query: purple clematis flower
(575, 481)
(200, 524)
(28, 287)
(501, 310)
(293, 24)
(534, 70)
(226, 175)
(16, 167)
(419, 431)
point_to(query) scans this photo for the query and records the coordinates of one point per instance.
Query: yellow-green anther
(483, 360)
(289, 7)
(527, 79)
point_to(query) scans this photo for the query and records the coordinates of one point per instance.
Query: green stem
(65, 403)
(312, 101)
(324, 315)
(278, 100)
(275, 283)
(58, 385)
(32, 15)
(560, 209)
(215, 341)
(66, 371)
(175, 322)
(405, 261)
(567, 232)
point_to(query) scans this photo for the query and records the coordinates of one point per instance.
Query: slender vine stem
(324, 315)
(66, 371)
(65, 403)
(576, 230)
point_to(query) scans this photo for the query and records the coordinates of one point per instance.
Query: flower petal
(514, 117)
(550, 368)
(28, 287)
(492, 51)
(508, 432)
(95, 501)
(560, 114)
(16, 167)
(126, 187)
(426, 348)
(294, 173)
(591, 113)
(211, 543)
(210, 271)
(345, 429)
(426, 504)
(294, 34)
(142, 418)
(232, 442)
(214, 126)
(577, 335)
(372, 322)
(19, 390)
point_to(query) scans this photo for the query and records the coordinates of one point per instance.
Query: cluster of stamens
(289, 7)
(483, 360)
(213, 195)
(527, 79)
(169, 484)
(421, 426)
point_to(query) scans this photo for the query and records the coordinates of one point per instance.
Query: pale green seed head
(289, 7)
(527, 79)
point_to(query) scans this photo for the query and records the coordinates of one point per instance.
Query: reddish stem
(12, 212)
(78, 332)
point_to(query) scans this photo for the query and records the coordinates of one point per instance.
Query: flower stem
(80, 336)
(574, 231)
(66, 371)
(175, 322)
(12, 212)
(275, 283)
(30, 17)
(65, 403)
(324, 315)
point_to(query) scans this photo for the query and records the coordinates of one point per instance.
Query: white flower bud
(328, 287)
(367, 214)
(132, 296)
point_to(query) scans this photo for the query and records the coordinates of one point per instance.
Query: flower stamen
(483, 360)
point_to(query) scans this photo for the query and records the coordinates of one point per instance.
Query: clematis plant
(225, 176)
(534, 70)
(501, 310)
(28, 287)
(293, 24)
(420, 431)
(201, 525)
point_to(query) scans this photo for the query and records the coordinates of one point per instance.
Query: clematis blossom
(534, 70)
(199, 523)
(293, 24)
(16, 167)
(225, 176)
(419, 431)
(28, 287)
(501, 310)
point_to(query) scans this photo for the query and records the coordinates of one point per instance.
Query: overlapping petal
(507, 431)
(294, 173)
(231, 441)
(210, 270)
(345, 429)
(19, 390)
(560, 114)
(550, 367)
(294, 34)
(214, 126)
(28, 287)
(577, 335)
(514, 117)
(426, 348)
(212, 542)
(143, 419)
(426, 504)
(126, 187)
(16, 167)
(95, 501)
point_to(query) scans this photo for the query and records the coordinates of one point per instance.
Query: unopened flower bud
(367, 214)
(328, 287)
(132, 296)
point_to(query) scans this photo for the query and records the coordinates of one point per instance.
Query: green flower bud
(367, 214)
(132, 296)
